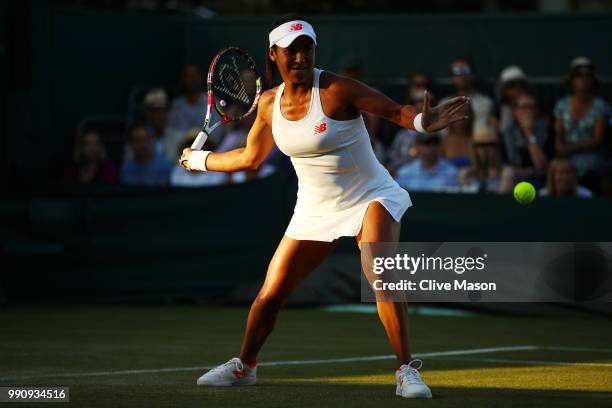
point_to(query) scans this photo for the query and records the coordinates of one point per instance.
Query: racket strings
(234, 85)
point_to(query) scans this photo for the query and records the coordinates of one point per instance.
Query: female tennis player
(314, 117)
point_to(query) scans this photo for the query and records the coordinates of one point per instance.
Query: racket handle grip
(199, 141)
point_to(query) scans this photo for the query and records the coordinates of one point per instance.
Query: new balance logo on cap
(284, 34)
(320, 128)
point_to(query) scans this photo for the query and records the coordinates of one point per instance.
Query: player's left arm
(370, 100)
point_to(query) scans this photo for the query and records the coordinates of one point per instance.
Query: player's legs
(379, 226)
(291, 263)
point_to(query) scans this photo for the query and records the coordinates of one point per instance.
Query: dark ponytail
(270, 68)
(271, 65)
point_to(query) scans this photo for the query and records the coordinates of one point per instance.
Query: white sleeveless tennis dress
(338, 174)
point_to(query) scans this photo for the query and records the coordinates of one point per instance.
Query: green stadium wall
(140, 244)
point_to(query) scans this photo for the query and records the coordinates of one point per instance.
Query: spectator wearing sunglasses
(580, 120)
(463, 77)
(455, 146)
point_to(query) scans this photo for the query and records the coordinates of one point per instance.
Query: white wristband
(197, 160)
(418, 123)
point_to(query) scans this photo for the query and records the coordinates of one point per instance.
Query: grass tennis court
(151, 356)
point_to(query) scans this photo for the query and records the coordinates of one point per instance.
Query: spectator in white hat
(512, 84)
(580, 119)
(165, 141)
(156, 113)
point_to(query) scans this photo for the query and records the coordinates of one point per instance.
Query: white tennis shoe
(232, 373)
(409, 381)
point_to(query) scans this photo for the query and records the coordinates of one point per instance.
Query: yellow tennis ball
(524, 193)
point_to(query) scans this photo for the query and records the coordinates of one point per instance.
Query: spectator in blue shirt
(429, 171)
(147, 167)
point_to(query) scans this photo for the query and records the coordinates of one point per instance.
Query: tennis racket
(233, 84)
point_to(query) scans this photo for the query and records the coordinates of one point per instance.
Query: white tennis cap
(284, 34)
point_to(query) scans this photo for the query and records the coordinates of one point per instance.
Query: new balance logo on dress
(295, 27)
(320, 128)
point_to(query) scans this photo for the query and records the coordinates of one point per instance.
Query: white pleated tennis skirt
(344, 223)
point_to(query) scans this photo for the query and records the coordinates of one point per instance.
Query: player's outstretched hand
(439, 117)
(185, 158)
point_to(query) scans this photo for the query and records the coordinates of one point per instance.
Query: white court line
(532, 362)
(594, 350)
(276, 363)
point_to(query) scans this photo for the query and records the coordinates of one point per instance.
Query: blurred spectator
(166, 139)
(462, 73)
(156, 109)
(456, 143)
(147, 167)
(562, 180)
(236, 133)
(156, 117)
(526, 140)
(486, 173)
(179, 177)
(264, 170)
(235, 137)
(403, 148)
(580, 119)
(188, 111)
(351, 67)
(429, 171)
(418, 83)
(91, 165)
(512, 83)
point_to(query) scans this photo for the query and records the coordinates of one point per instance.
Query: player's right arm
(258, 145)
